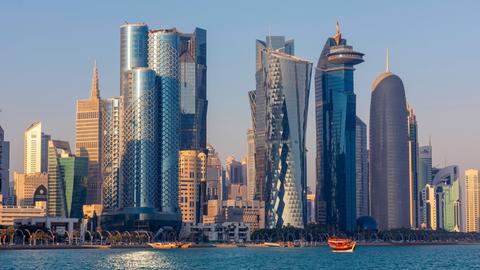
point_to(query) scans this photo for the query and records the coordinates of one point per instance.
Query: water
(392, 257)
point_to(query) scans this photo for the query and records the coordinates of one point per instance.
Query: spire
(338, 34)
(95, 90)
(388, 62)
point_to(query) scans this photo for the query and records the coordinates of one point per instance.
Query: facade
(232, 232)
(214, 176)
(389, 169)
(67, 181)
(448, 200)
(424, 176)
(8, 214)
(258, 104)
(4, 168)
(88, 134)
(361, 166)
(163, 58)
(310, 207)
(472, 201)
(415, 192)
(335, 114)
(251, 165)
(35, 149)
(234, 175)
(280, 129)
(27, 185)
(193, 90)
(192, 173)
(111, 152)
(430, 207)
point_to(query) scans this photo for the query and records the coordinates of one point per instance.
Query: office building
(4, 169)
(335, 111)
(214, 175)
(415, 192)
(430, 207)
(193, 90)
(192, 173)
(28, 188)
(280, 124)
(310, 206)
(361, 167)
(111, 152)
(447, 187)
(88, 131)
(35, 149)
(389, 159)
(472, 201)
(424, 176)
(67, 181)
(251, 165)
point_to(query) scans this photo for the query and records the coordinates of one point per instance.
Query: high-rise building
(111, 155)
(389, 169)
(413, 162)
(4, 169)
(430, 207)
(67, 181)
(447, 188)
(258, 104)
(234, 171)
(193, 90)
(27, 186)
(163, 58)
(35, 149)
(88, 138)
(280, 124)
(361, 167)
(472, 201)
(335, 111)
(192, 173)
(250, 165)
(424, 176)
(214, 175)
(310, 206)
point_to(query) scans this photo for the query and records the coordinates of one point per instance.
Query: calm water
(419, 257)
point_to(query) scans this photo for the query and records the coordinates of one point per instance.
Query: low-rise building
(8, 214)
(232, 232)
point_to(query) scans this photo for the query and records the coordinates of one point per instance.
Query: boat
(186, 245)
(165, 245)
(271, 244)
(341, 244)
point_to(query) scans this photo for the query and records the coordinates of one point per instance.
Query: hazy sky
(47, 50)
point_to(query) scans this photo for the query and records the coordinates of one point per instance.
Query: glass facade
(280, 119)
(141, 162)
(415, 192)
(361, 167)
(163, 46)
(446, 182)
(335, 111)
(133, 48)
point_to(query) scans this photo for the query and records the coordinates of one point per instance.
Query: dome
(366, 223)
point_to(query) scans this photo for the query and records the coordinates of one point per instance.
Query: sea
(364, 257)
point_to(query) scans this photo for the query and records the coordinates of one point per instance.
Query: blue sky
(47, 50)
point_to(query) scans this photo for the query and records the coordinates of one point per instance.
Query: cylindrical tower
(163, 57)
(141, 140)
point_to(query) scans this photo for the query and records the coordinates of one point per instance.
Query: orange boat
(341, 244)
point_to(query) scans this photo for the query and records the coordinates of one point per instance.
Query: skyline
(47, 81)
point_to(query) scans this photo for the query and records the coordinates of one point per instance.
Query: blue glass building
(133, 48)
(335, 111)
(279, 111)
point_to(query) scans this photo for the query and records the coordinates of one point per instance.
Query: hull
(164, 245)
(341, 244)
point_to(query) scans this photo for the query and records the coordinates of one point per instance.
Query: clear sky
(47, 50)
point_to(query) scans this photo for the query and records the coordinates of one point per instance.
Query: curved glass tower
(133, 48)
(141, 134)
(163, 58)
(389, 153)
(335, 111)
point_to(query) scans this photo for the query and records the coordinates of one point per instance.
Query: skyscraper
(111, 154)
(163, 58)
(192, 173)
(413, 160)
(67, 181)
(424, 176)
(4, 168)
(335, 111)
(472, 201)
(88, 138)
(214, 177)
(193, 90)
(447, 189)
(35, 149)
(430, 207)
(280, 121)
(361, 167)
(251, 165)
(258, 105)
(389, 169)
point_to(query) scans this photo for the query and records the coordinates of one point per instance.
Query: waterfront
(371, 257)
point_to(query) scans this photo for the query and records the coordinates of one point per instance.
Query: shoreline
(224, 246)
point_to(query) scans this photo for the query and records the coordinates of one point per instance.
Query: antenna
(269, 37)
(388, 62)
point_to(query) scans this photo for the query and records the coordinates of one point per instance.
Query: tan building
(9, 214)
(90, 210)
(88, 135)
(26, 185)
(238, 192)
(472, 201)
(35, 149)
(191, 173)
(430, 204)
(251, 165)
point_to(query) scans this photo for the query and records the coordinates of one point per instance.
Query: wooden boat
(186, 245)
(165, 245)
(341, 244)
(271, 244)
